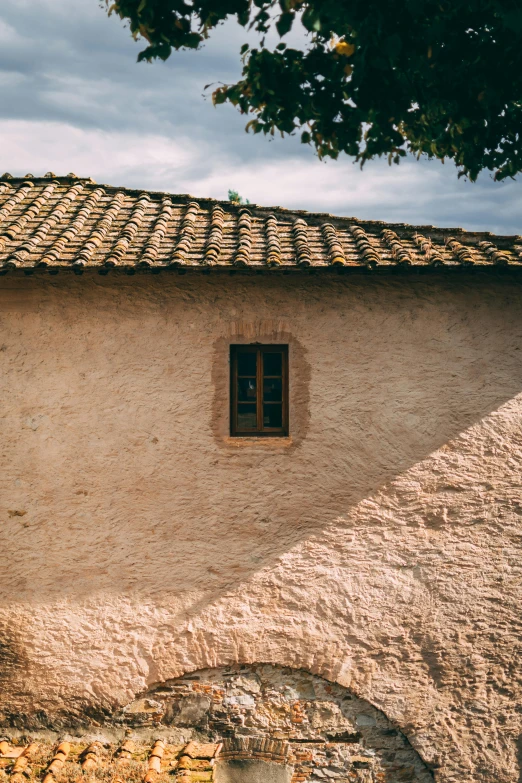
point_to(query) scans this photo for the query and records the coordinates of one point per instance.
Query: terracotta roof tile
(215, 237)
(57, 762)
(155, 762)
(244, 225)
(367, 252)
(496, 255)
(400, 253)
(302, 245)
(21, 766)
(335, 249)
(90, 756)
(273, 257)
(71, 223)
(157, 235)
(431, 252)
(186, 235)
(461, 252)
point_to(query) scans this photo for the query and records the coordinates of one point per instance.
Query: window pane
(273, 389)
(246, 416)
(246, 389)
(273, 415)
(272, 363)
(246, 363)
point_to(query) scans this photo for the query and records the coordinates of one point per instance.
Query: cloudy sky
(73, 98)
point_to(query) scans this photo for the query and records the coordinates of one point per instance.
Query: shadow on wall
(399, 368)
(127, 494)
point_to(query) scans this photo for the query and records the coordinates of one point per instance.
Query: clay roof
(129, 761)
(69, 222)
(159, 761)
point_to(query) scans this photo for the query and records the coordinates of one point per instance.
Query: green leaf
(284, 23)
(440, 78)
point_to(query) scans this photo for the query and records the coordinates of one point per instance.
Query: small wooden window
(259, 390)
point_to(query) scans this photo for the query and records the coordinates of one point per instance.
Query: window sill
(239, 441)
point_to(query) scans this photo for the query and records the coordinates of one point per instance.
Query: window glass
(259, 390)
(272, 415)
(246, 363)
(246, 389)
(273, 389)
(273, 364)
(246, 416)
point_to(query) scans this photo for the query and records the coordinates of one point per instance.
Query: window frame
(260, 431)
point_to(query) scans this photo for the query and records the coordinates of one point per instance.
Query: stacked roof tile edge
(65, 761)
(54, 223)
(73, 760)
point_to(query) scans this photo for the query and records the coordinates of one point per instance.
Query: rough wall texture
(377, 547)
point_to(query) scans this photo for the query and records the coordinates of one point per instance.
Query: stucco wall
(378, 547)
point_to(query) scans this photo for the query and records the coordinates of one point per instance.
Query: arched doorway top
(261, 714)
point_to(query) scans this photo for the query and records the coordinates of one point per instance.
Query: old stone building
(260, 493)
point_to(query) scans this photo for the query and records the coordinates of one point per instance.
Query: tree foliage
(376, 77)
(235, 198)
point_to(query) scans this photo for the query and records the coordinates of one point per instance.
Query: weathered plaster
(381, 550)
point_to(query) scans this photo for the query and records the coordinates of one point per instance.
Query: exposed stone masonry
(283, 716)
(318, 730)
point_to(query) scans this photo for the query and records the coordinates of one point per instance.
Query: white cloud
(109, 157)
(411, 193)
(8, 34)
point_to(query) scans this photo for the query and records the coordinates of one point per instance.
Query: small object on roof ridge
(49, 175)
(29, 176)
(6, 175)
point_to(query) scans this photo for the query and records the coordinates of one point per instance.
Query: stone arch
(263, 718)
